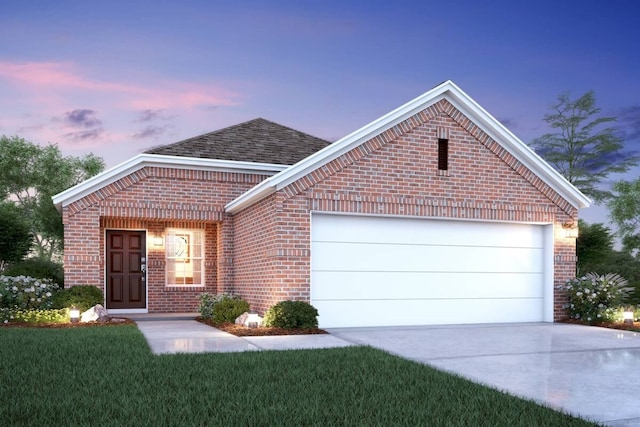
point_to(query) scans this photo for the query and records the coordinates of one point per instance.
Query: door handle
(143, 268)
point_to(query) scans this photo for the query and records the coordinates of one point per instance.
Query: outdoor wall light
(74, 313)
(570, 229)
(158, 240)
(627, 315)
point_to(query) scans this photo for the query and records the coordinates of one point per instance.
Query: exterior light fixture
(627, 315)
(74, 313)
(253, 320)
(158, 240)
(570, 229)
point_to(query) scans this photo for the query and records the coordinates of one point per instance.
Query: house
(434, 213)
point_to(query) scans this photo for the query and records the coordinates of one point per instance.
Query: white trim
(438, 218)
(549, 273)
(447, 90)
(140, 161)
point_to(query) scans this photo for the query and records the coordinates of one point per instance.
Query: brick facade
(154, 199)
(263, 252)
(396, 173)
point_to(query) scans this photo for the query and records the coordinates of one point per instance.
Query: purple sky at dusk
(118, 77)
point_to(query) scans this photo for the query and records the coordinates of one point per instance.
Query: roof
(459, 99)
(257, 140)
(257, 146)
(140, 161)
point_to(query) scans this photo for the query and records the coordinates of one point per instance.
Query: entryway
(126, 269)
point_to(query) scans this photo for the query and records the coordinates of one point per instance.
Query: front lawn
(108, 376)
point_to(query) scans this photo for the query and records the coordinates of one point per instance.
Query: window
(443, 154)
(184, 253)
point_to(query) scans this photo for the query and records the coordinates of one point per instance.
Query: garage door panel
(382, 257)
(334, 314)
(389, 285)
(376, 271)
(439, 232)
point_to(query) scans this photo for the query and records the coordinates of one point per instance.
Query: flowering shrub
(594, 298)
(26, 293)
(34, 316)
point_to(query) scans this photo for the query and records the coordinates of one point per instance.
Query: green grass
(108, 376)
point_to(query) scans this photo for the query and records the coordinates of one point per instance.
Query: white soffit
(140, 161)
(447, 90)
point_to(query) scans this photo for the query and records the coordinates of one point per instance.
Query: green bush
(228, 309)
(291, 314)
(594, 298)
(37, 268)
(25, 293)
(221, 308)
(83, 297)
(34, 316)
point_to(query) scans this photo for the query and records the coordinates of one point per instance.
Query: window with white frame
(184, 253)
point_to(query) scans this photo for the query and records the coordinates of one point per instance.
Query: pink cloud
(36, 77)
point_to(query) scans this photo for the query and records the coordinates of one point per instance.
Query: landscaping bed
(111, 322)
(243, 331)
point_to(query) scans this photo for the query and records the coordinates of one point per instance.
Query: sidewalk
(175, 333)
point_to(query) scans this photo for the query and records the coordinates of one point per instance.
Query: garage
(394, 271)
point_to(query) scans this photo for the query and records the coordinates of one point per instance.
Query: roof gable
(257, 140)
(457, 98)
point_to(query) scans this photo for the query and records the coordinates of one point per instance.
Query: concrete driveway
(587, 371)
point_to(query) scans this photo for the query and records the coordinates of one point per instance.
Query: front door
(126, 269)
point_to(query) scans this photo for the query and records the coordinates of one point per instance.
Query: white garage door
(381, 271)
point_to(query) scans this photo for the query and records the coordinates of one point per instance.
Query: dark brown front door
(126, 266)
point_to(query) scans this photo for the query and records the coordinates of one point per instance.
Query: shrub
(594, 298)
(83, 297)
(26, 293)
(291, 314)
(34, 316)
(221, 308)
(37, 268)
(228, 309)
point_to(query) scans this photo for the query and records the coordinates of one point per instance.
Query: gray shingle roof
(258, 141)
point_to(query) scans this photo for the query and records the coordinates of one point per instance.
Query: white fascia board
(461, 101)
(521, 151)
(335, 150)
(140, 161)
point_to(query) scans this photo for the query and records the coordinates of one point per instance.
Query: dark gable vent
(443, 154)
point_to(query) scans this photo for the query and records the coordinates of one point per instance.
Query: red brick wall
(397, 173)
(154, 199)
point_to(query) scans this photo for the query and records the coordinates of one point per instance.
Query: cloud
(64, 79)
(508, 123)
(80, 126)
(82, 119)
(629, 120)
(84, 136)
(150, 132)
(150, 115)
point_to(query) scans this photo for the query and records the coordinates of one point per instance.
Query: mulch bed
(635, 327)
(243, 331)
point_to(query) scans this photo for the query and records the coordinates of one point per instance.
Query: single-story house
(434, 213)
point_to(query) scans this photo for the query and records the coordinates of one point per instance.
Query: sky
(115, 78)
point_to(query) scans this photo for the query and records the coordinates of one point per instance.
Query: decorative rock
(253, 320)
(96, 313)
(240, 320)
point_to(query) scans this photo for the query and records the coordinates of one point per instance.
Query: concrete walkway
(167, 335)
(588, 371)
